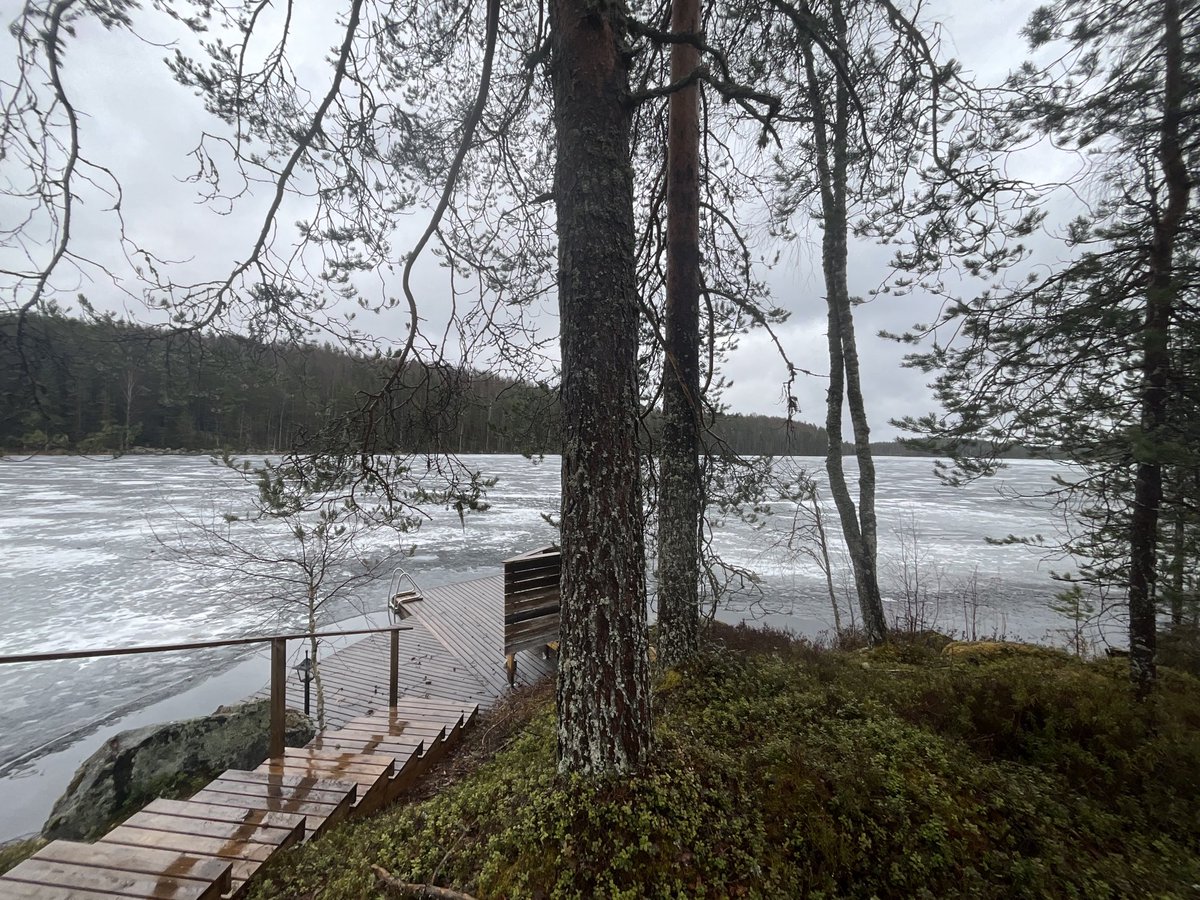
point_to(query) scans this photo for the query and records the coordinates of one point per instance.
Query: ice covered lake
(80, 568)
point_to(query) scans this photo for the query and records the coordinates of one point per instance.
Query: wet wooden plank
(206, 811)
(122, 884)
(169, 863)
(380, 734)
(250, 833)
(169, 840)
(341, 767)
(370, 784)
(476, 622)
(318, 816)
(284, 787)
(447, 706)
(485, 670)
(532, 634)
(459, 616)
(241, 868)
(391, 725)
(378, 760)
(368, 666)
(23, 890)
(394, 747)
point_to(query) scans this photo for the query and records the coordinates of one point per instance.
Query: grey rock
(134, 767)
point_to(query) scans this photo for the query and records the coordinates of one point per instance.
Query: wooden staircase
(211, 845)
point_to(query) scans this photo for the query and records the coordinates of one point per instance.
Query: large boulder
(176, 759)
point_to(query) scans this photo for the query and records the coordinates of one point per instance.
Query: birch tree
(860, 89)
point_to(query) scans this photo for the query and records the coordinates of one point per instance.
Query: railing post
(393, 673)
(278, 695)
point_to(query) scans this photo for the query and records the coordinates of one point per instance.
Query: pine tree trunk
(603, 677)
(679, 500)
(1156, 365)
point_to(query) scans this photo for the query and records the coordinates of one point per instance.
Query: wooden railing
(531, 599)
(278, 644)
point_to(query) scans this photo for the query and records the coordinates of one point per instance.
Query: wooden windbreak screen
(531, 599)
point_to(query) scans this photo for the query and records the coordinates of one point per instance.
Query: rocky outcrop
(177, 758)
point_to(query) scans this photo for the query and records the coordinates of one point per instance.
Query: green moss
(16, 851)
(791, 771)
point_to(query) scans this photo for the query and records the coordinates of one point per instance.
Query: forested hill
(111, 386)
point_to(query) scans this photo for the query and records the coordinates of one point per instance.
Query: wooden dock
(210, 846)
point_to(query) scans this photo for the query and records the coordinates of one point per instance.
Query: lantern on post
(304, 672)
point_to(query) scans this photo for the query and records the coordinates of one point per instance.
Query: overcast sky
(143, 125)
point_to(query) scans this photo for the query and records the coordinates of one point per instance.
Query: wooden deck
(210, 846)
(455, 652)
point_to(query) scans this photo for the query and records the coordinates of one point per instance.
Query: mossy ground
(783, 770)
(14, 852)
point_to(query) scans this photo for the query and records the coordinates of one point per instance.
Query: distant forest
(112, 387)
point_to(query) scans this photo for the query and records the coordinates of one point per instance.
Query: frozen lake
(80, 568)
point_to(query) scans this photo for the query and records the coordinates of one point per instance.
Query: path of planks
(210, 845)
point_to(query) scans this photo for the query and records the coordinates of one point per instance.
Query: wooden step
(355, 742)
(426, 734)
(407, 774)
(249, 832)
(466, 711)
(77, 879)
(168, 840)
(327, 764)
(416, 711)
(138, 862)
(381, 733)
(372, 778)
(242, 838)
(288, 785)
(23, 890)
(145, 861)
(375, 737)
(404, 720)
(416, 721)
(243, 857)
(189, 809)
(317, 815)
(321, 801)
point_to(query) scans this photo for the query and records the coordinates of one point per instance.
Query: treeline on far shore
(109, 386)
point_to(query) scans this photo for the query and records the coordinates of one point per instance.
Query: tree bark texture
(1156, 363)
(603, 676)
(858, 525)
(679, 494)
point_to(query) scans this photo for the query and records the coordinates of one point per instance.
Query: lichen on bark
(603, 679)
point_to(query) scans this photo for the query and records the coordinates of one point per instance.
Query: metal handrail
(397, 609)
(278, 644)
(191, 645)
